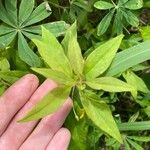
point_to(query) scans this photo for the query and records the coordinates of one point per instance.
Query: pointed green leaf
(49, 104)
(52, 53)
(37, 15)
(135, 145)
(129, 58)
(140, 138)
(105, 22)
(5, 29)
(102, 5)
(136, 81)
(73, 50)
(100, 59)
(118, 25)
(6, 39)
(109, 84)
(131, 18)
(25, 10)
(4, 15)
(97, 110)
(26, 53)
(11, 7)
(134, 4)
(54, 75)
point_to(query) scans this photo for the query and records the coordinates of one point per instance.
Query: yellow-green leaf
(109, 84)
(49, 104)
(73, 50)
(57, 76)
(100, 59)
(52, 52)
(98, 111)
(136, 82)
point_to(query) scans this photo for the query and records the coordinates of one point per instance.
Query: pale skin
(44, 134)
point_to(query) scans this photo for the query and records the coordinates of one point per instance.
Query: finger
(16, 133)
(60, 141)
(47, 128)
(15, 97)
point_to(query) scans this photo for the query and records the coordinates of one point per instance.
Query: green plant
(122, 12)
(79, 74)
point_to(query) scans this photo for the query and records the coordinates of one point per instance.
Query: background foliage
(98, 21)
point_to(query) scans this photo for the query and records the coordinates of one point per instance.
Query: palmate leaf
(100, 59)
(53, 54)
(57, 76)
(129, 58)
(18, 24)
(73, 50)
(109, 84)
(97, 110)
(49, 104)
(25, 10)
(102, 5)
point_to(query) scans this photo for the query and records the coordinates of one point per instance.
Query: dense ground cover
(98, 52)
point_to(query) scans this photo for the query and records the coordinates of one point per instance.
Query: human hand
(46, 134)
